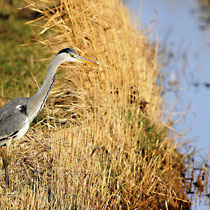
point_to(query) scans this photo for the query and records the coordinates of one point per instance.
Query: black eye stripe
(68, 50)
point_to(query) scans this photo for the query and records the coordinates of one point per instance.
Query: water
(184, 39)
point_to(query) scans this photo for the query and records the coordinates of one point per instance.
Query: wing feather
(12, 118)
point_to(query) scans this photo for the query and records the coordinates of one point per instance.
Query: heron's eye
(73, 55)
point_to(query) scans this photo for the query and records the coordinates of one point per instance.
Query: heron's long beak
(84, 60)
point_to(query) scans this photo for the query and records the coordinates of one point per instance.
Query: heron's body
(14, 120)
(16, 116)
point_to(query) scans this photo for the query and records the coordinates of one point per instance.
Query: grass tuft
(104, 146)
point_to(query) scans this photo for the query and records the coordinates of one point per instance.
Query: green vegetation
(18, 63)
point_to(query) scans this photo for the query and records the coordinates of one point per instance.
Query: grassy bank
(102, 144)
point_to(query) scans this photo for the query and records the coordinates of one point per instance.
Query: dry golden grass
(105, 146)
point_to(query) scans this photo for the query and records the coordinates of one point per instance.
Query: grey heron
(16, 116)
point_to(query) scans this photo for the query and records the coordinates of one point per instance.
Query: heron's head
(71, 55)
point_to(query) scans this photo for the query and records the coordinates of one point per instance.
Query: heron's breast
(21, 132)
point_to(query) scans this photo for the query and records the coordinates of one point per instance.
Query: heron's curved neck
(37, 101)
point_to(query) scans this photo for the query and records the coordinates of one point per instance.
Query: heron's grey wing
(13, 117)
